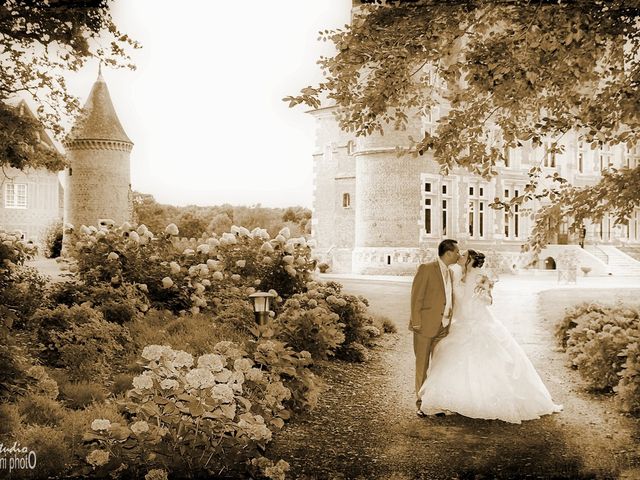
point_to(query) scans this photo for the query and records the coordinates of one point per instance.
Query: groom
(431, 307)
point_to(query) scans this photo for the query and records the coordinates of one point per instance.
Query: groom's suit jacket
(428, 299)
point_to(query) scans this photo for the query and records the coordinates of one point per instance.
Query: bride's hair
(476, 259)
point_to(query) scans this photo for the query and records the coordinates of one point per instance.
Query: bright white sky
(204, 107)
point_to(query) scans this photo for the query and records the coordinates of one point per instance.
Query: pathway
(366, 427)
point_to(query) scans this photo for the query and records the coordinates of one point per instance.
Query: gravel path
(366, 427)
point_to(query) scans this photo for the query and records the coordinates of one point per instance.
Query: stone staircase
(618, 263)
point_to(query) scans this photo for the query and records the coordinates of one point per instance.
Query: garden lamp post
(261, 306)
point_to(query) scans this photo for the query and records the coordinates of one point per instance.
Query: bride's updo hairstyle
(475, 259)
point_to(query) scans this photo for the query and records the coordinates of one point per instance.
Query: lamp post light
(261, 306)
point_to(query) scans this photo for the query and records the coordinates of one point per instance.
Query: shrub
(121, 383)
(90, 349)
(79, 395)
(355, 352)
(53, 240)
(317, 330)
(42, 384)
(596, 342)
(118, 304)
(323, 267)
(13, 367)
(22, 291)
(207, 415)
(51, 451)
(39, 410)
(9, 420)
(570, 319)
(384, 324)
(628, 389)
(182, 275)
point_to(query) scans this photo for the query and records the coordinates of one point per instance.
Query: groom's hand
(414, 328)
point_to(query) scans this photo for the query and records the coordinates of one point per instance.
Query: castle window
(606, 158)
(444, 217)
(427, 187)
(444, 189)
(427, 217)
(512, 220)
(388, 259)
(350, 147)
(15, 195)
(550, 155)
(346, 200)
(476, 212)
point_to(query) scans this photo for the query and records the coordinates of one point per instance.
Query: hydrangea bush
(205, 415)
(188, 274)
(602, 342)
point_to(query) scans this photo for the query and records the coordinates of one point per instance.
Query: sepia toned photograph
(328, 239)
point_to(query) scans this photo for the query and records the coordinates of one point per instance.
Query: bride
(478, 370)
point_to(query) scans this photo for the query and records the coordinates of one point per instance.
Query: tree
(40, 41)
(507, 72)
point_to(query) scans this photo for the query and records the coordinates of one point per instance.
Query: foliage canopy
(505, 74)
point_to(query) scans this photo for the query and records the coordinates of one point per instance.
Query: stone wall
(97, 185)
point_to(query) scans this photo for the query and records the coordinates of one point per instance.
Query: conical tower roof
(98, 119)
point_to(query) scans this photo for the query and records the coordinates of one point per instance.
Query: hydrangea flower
(97, 458)
(235, 277)
(290, 270)
(254, 375)
(143, 382)
(169, 383)
(134, 236)
(217, 276)
(203, 248)
(167, 282)
(223, 376)
(285, 232)
(222, 392)
(155, 352)
(139, 427)
(241, 263)
(288, 259)
(142, 229)
(200, 378)
(183, 359)
(211, 361)
(113, 256)
(172, 229)
(100, 424)
(266, 248)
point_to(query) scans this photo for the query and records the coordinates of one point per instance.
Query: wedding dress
(478, 370)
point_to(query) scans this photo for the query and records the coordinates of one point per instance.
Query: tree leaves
(41, 41)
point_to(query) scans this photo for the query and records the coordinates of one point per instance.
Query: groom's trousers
(423, 347)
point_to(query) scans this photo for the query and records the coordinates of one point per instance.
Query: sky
(204, 107)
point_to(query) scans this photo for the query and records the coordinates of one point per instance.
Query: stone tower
(98, 179)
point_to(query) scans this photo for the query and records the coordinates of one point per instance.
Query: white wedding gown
(478, 370)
